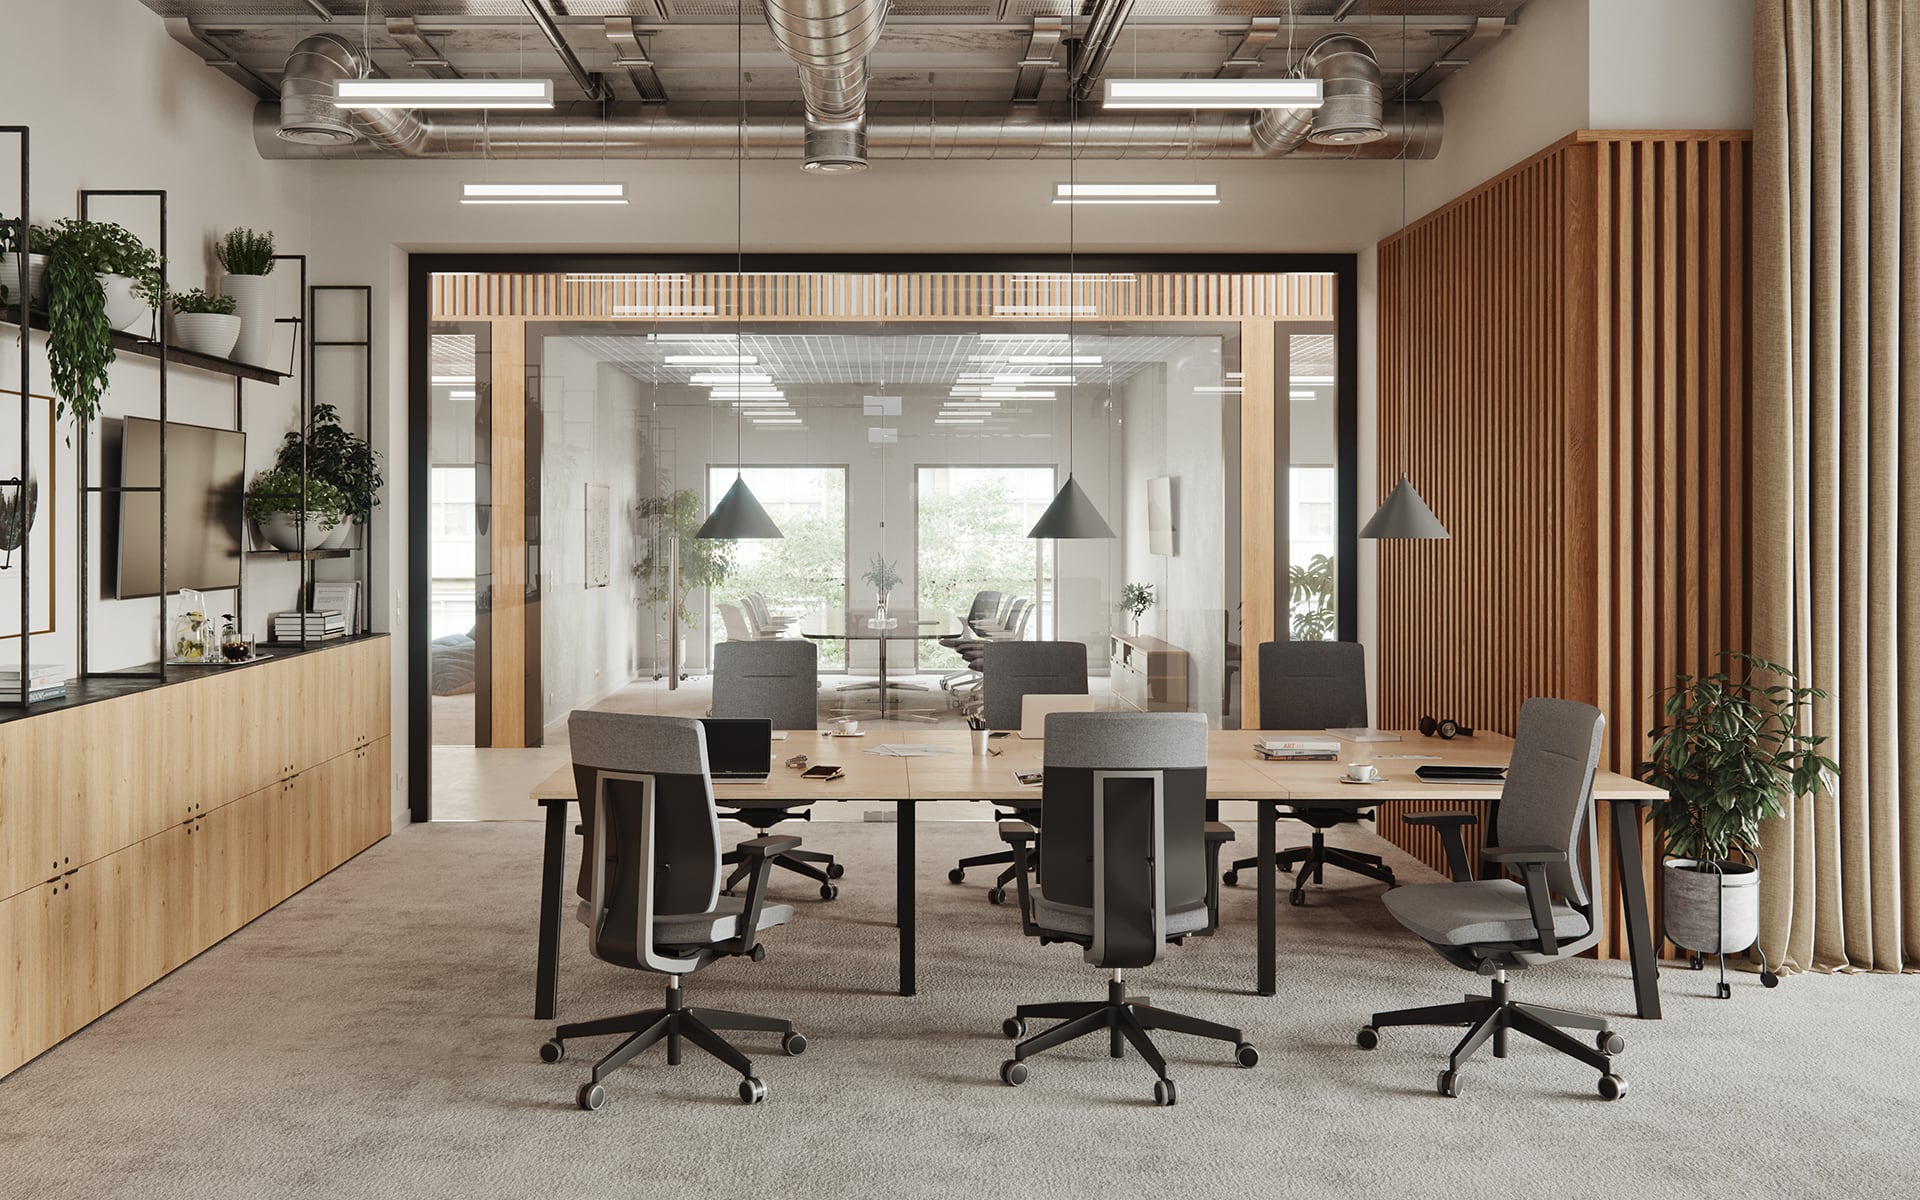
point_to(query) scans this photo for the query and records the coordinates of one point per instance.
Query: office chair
(983, 609)
(764, 622)
(778, 680)
(736, 625)
(649, 885)
(1124, 872)
(973, 650)
(1011, 671)
(1494, 924)
(1315, 685)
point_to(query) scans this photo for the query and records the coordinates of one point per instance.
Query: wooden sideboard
(138, 829)
(1147, 673)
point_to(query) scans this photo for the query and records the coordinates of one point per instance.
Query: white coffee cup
(1363, 772)
(845, 725)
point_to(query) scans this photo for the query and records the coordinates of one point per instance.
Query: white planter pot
(206, 333)
(1708, 912)
(253, 300)
(282, 532)
(36, 279)
(125, 310)
(340, 537)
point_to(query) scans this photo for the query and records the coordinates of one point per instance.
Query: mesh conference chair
(778, 680)
(985, 606)
(736, 625)
(974, 650)
(650, 890)
(1316, 685)
(1543, 828)
(1125, 871)
(1010, 672)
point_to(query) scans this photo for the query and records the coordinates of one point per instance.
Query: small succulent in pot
(195, 301)
(204, 324)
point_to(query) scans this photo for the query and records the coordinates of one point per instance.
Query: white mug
(845, 725)
(1362, 772)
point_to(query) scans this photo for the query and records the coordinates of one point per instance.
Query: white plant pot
(126, 310)
(36, 279)
(337, 540)
(206, 333)
(1711, 913)
(253, 304)
(282, 531)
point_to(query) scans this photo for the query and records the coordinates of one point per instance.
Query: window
(802, 573)
(973, 524)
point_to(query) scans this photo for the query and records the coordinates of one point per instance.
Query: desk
(1234, 772)
(908, 626)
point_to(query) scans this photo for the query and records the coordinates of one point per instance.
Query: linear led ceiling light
(664, 310)
(1016, 380)
(729, 379)
(543, 193)
(443, 93)
(1136, 193)
(1043, 310)
(712, 360)
(1213, 93)
(1055, 360)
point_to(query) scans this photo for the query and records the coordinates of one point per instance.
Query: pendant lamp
(1403, 514)
(1072, 513)
(739, 514)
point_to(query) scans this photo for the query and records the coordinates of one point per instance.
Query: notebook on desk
(739, 750)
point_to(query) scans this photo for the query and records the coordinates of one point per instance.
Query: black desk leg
(1633, 899)
(1269, 897)
(904, 875)
(547, 976)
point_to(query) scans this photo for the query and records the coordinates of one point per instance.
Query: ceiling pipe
(829, 41)
(309, 118)
(1349, 111)
(594, 87)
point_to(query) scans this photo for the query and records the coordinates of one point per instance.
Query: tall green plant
(79, 338)
(340, 458)
(244, 252)
(1310, 599)
(1730, 754)
(704, 562)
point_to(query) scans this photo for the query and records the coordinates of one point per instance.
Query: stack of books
(45, 681)
(1298, 749)
(318, 626)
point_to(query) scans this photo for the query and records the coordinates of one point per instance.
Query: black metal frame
(23, 134)
(422, 267)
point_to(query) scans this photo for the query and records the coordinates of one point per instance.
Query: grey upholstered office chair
(780, 681)
(1543, 828)
(1316, 685)
(1124, 870)
(650, 889)
(1010, 672)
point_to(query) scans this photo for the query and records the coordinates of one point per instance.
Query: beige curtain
(1836, 466)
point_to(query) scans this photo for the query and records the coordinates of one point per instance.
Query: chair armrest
(1218, 834)
(769, 846)
(1533, 862)
(760, 852)
(1017, 833)
(1219, 831)
(1449, 824)
(1516, 856)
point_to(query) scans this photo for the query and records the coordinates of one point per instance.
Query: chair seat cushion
(1071, 918)
(1476, 912)
(702, 929)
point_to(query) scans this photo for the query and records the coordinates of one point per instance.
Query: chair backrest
(1547, 799)
(778, 680)
(1313, 685)
(652, 835)
(986, 605)
(1022, 618)
(1124, 806)
(734, 623)
(1011, 671)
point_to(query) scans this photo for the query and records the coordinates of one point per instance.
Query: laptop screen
(738, 748)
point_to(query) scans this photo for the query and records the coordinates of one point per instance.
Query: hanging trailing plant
(79, 336)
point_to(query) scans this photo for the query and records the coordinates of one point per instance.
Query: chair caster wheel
(1164, 1094)
(1450, 1083)
(1013, 1072)
(752, 1091)
(590, 1096)
(1368, 1038)
(553, 1050)
(1014, 1027)
(1612, 1087)
(828, 891)
(758, 953)
(1231, 878)
(1723, 990)
(956, 876)
(794, 1044)
(835, 871)
(1246, 1055)
(1297, 898)
(1769, 980)
(997, 895)
(1609, 1042)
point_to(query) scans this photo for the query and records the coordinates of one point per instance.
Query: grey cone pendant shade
(738, 515)
(1071, 515)
(1403, 514)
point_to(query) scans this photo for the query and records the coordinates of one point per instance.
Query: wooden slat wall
(1576, 329)
(508, 598)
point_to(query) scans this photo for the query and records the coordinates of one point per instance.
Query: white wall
(1670, 64)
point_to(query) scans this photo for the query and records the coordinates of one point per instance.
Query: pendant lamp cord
(739, 222)
(1073, 388)
(1406, 333)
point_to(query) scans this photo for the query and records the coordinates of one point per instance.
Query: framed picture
(599, 536)
(28, 512)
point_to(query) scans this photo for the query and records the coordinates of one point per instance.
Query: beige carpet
(371, 1037)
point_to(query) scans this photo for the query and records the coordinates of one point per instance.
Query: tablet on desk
(1456, 773)
(822, 771)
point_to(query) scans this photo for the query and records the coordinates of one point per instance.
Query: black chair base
(1491, 1018)
(1313, 861)
(997, 894)
(676, 1026)
(1125, 1020)
(798, 861)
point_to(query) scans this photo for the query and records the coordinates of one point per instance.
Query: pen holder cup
(977, 738)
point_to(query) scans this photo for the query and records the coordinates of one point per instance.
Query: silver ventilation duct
(829, 41)
(309, 117)
(1350, 113)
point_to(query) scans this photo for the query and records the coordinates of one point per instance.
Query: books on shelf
(10, 692)
(343, 596)
(318, 626)
(1298, 749)
(39, 675)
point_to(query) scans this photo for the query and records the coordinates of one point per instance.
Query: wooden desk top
(1234, 772)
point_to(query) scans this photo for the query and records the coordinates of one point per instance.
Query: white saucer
(1362, 782)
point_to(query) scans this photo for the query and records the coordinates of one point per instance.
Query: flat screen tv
(206, 483)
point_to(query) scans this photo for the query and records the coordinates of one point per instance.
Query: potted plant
(1310, 599)
(1729, 753)
(247, 259)
(340, 458)
(1135, 600)
(884, 578)
(18, 505)
(704, 562)
(204, 324)
(273, 504)
(10, 265)
(99, 278)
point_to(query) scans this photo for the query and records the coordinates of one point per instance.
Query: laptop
(739, 750)
(1034, 709)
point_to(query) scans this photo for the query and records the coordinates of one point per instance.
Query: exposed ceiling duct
(829, 41)
(1350, 112)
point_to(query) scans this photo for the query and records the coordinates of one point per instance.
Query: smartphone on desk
(822, 771)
